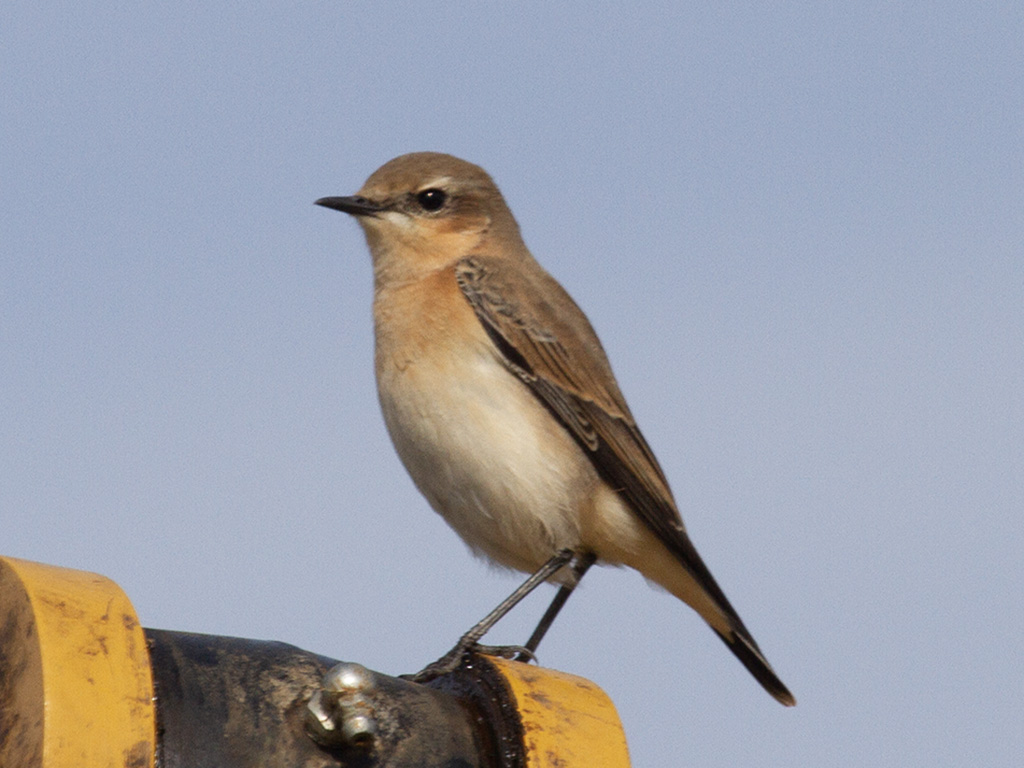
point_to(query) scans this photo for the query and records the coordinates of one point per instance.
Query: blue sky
(797, 228)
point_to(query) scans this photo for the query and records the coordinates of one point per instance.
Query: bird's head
(425, 210)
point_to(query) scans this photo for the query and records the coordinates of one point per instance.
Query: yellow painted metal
(79, 691)
(567, 720)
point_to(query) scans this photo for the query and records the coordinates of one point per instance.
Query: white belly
(486, 454)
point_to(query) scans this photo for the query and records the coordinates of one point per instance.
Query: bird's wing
(559, 357)
(548, 343)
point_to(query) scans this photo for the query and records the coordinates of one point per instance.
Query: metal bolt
(340, 713)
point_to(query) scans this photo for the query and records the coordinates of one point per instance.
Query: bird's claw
(443, 666)
(458, 655)
(513, 652)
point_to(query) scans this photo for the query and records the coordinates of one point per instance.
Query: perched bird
(502, 404)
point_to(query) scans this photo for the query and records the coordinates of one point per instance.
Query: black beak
(357, 206)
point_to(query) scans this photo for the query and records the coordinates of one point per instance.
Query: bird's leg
(580, 567)
(451, 660)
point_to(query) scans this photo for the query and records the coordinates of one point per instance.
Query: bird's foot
(461, 653)
(514, 652)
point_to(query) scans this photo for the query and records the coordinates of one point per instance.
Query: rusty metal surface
(234, 703)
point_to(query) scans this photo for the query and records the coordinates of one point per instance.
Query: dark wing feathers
(580, 390)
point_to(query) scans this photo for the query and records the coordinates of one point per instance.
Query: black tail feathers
(749, 654)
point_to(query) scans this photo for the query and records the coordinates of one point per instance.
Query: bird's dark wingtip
(758, 666)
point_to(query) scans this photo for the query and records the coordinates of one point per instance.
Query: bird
(501, 402)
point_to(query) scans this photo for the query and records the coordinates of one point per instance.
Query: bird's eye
(432, 199)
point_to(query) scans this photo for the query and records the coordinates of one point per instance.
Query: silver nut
(319, 716)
